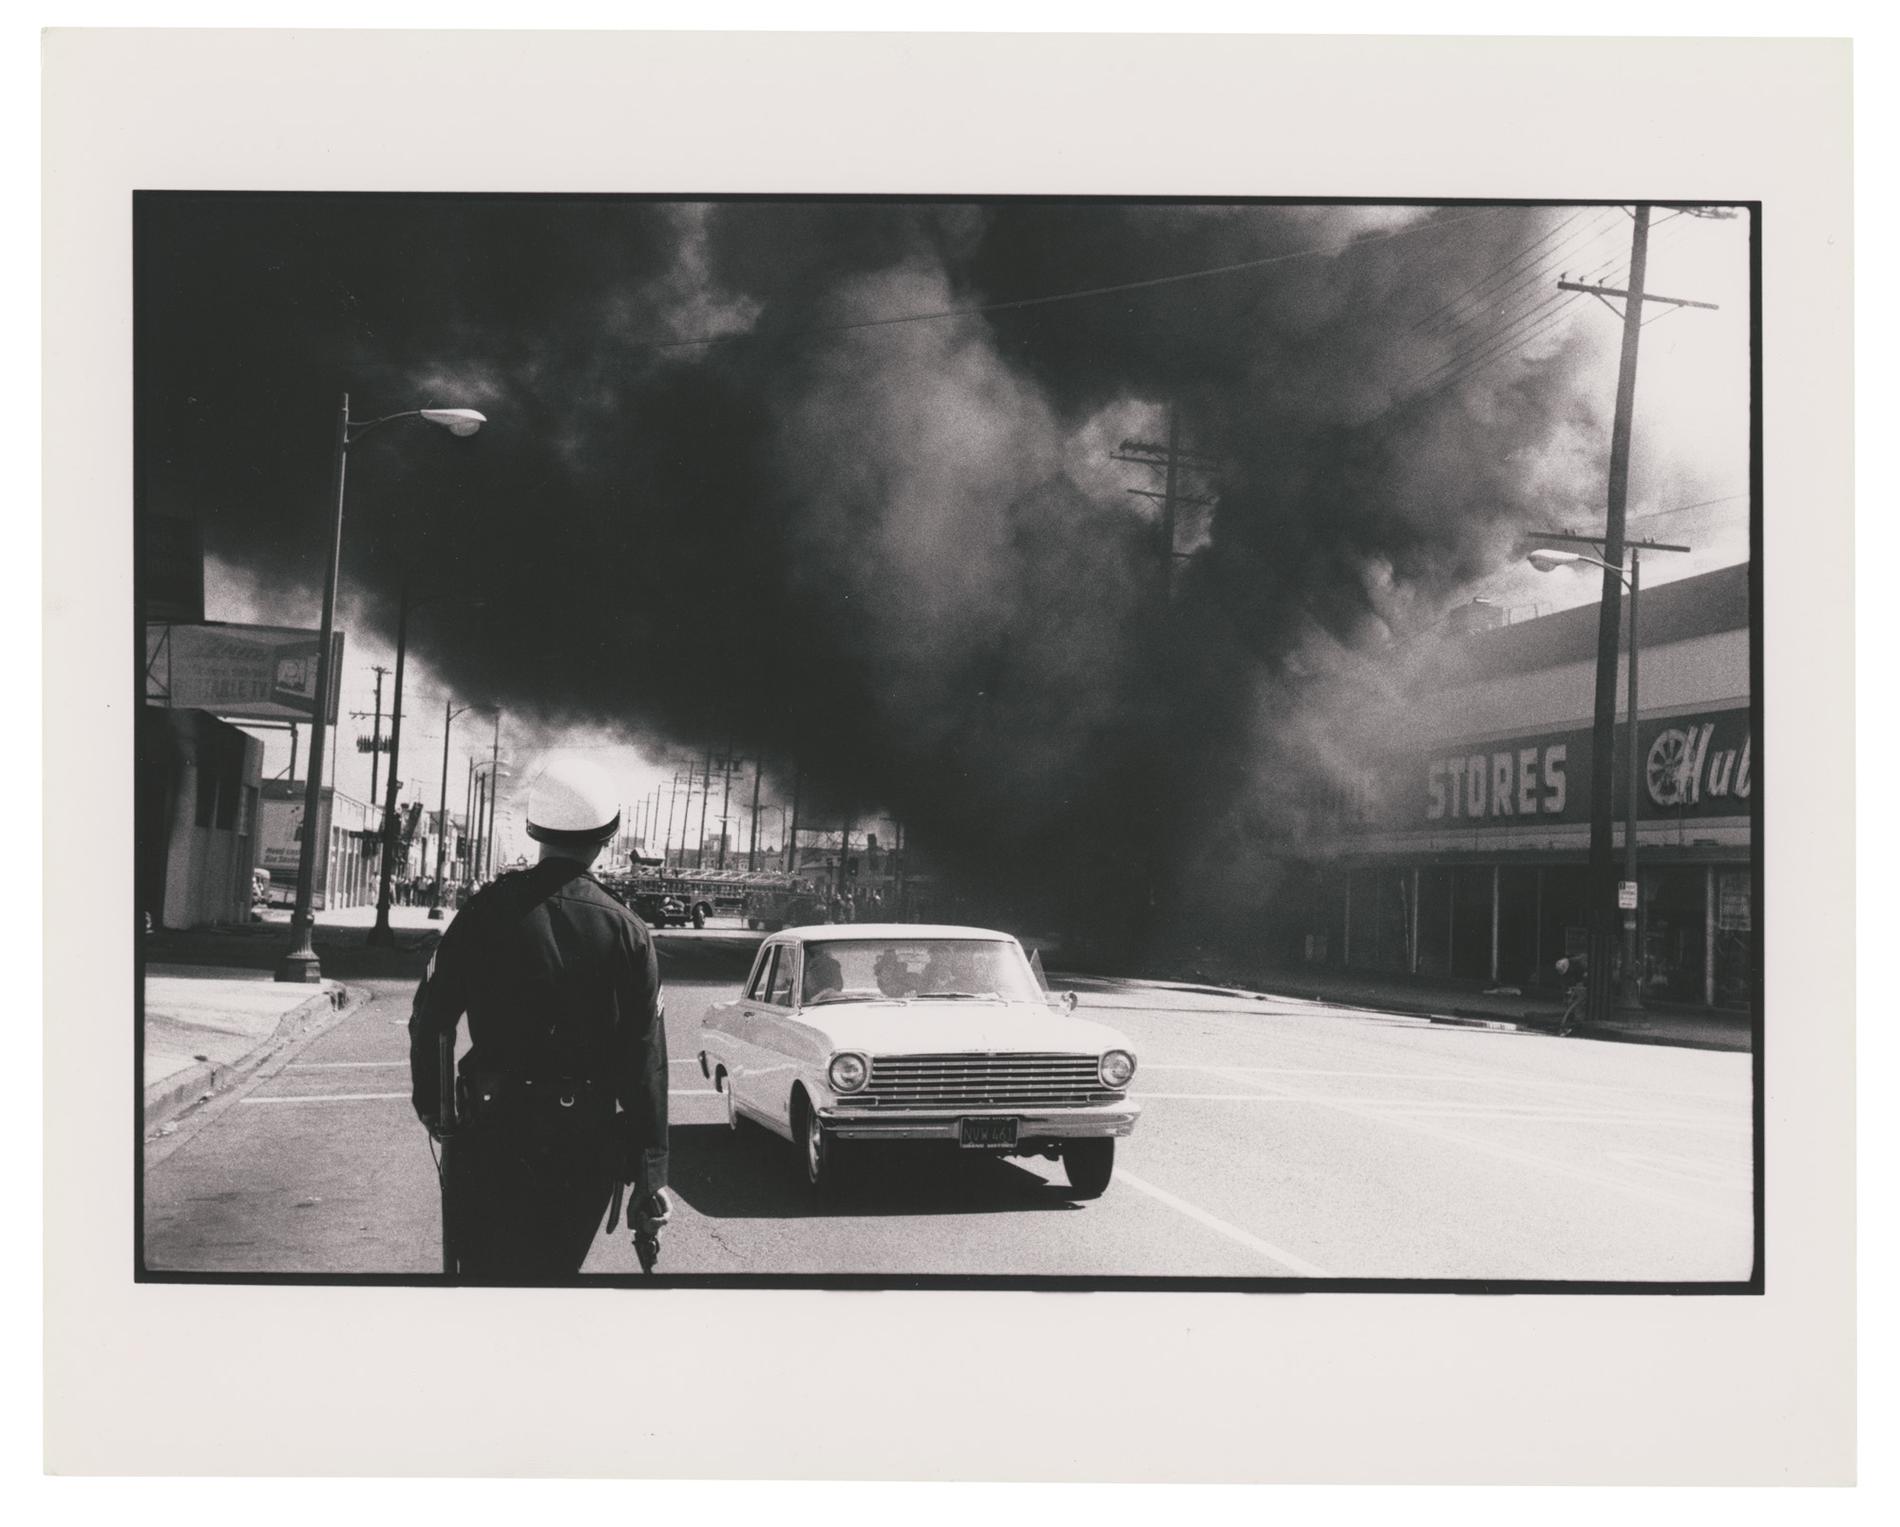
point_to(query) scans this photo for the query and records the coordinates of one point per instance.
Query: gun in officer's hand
(649, 1218)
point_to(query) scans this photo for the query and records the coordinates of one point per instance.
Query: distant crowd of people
(419, 891)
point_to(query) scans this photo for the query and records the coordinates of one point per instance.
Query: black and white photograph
(992, 739)
(724, 706)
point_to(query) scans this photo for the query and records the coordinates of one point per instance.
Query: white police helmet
(574, 801)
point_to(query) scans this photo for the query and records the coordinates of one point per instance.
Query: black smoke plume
(896, 554)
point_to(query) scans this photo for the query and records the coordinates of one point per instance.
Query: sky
(834, 484)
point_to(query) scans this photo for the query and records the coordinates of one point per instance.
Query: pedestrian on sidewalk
(565, 1079)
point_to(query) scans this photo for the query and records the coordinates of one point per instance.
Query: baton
(445, 1130)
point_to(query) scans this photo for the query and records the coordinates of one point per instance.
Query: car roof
(825, 933)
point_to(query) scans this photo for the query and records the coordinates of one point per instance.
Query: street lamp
(1629, 999)
(301, 963)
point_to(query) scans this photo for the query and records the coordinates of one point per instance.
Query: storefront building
(197, 813)
(1464, 854)
(345, 873)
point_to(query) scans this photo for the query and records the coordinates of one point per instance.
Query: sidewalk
(1689, 1027)
(1449, 1002)
(214, 1012)
(206, 1026)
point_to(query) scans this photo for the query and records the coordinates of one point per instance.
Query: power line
(1583, 238)
(1459, 297)
(1523, 316)
(1487, 353)
(1358, 242)
(1528, 282)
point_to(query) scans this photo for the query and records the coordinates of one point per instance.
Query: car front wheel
(1090, 1164)
(822, 1153)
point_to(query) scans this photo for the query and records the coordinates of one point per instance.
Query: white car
(857, 1032)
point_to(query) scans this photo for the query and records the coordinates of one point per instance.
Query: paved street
(1279, 1138)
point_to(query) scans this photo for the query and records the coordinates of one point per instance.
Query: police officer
(563, 1087)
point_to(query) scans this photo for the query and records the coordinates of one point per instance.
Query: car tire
(724, 1083)
(752, 923)
(1089, 1164)
(821, 1155)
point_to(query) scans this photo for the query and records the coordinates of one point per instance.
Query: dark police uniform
(565, 1077)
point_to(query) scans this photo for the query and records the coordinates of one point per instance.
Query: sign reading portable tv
(267, 673)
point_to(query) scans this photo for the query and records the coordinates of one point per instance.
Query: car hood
(935, 1028)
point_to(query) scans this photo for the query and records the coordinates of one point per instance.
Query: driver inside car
(823, 975)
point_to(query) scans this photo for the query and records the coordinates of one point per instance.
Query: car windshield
(927, 970)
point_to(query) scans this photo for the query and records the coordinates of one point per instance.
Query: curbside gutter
(169, 1097)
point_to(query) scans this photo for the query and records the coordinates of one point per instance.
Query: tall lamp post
(1629, 1000)
(301, 963)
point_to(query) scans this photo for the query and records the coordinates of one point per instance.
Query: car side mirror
(1062, 1000)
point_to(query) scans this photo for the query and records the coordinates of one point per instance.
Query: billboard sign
(265, 673)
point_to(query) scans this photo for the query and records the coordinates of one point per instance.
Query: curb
(171, 1096)
(1452, 1019)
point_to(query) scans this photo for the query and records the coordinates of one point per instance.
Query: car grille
(984, 1081)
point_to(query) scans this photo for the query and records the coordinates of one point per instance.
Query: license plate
(986, 1134)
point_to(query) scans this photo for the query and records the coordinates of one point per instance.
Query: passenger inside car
(895, 978)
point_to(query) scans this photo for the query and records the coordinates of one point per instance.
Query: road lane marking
(380, 1097)
(1532, 1159)
(1220, 1226)
(1420, 1108)
(340, 1065)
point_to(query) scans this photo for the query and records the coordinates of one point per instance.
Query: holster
(553, 1123)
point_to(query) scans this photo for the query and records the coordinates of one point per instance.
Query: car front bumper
(1103, 1121)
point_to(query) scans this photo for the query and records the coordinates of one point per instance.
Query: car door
(726, 1022)
(770, 1066)
(740, 1019)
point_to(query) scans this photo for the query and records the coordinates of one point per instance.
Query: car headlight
(848, 1072)
(1118, 1067)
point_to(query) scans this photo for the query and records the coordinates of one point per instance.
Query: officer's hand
(652, 1212)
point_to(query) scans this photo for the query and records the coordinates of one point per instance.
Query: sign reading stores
(1690, 766)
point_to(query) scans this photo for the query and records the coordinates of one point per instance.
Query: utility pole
(494, 791)
(1171, 461)
(449, 713)
(699, 852)
(791, 838)
(376, 734)
(725, 803)
(383, 934)
(1602, 888)
(752, 856)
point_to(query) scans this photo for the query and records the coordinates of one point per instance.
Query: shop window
(1563, 921)
(1734, 938)
(1471, 922)
(1674, 932)
(1518, 952)
(1434, 922)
